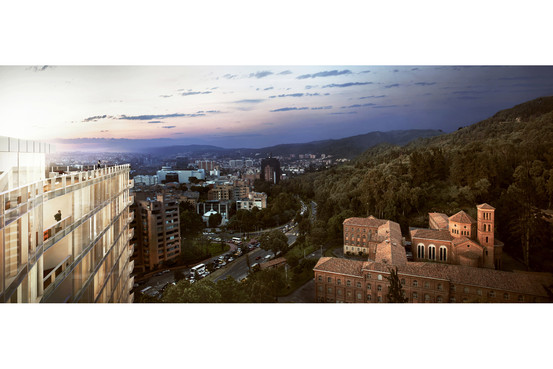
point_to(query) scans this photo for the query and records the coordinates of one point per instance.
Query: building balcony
(51, 275)
(57, 231)
(131, 267)
(131, 216)
(130, 283)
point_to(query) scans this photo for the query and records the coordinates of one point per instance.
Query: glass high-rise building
(64, 235)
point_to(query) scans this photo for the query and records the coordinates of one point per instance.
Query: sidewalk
(304, 294)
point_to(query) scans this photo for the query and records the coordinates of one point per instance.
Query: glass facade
(63, 238)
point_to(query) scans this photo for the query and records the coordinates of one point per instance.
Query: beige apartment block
(81, 255)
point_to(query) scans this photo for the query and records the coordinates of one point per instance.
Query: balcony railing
(58, 269)
(131, 267)
(131, 233)
(56, 232)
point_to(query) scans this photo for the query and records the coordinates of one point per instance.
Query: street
(237, 269)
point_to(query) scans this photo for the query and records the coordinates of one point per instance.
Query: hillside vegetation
(506, 161)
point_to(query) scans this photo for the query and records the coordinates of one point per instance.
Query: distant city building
(157, 231)
(431, 280)
(254, 199)
(191, 197)
(220, 192)
(249, 163)
(180, 176)
(236, 163)
(220, 206)
(207, 165)
(64, 238)
(145, 180)
(270, 170)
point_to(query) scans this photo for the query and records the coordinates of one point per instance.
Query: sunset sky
(86, 107)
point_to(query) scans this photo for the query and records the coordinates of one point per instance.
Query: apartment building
(220, 192)
(254, 199)
(64, 237)
(157, 230)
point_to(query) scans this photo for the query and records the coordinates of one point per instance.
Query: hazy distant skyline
(91, 108)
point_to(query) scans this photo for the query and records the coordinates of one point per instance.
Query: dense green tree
(274, 240)
(203, 291)
(214, 220)
(191, 223)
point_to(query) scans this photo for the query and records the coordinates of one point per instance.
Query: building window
(368, 286)
(426, 298)
(348, 282)
(431, 252)
(491, 293)
(426, 285)
(329, 279)
(415, 283)
(349, 293)
(443, 253)
(379, 298)
(452, 299)
(329, 290)
(420, 251)
(359, 296)
(403, 281)
(505, 296)
(358, 284)
(380, 277)
(466, 290)
(320, 278)
(440, 287)
(339, 281)
(368, 276)
(320, 288)
(339, 292)
(520, 298)
(368, 297)
(479, 292)
(415, 295)
(439, 299)
(453, 288)
(379, 288)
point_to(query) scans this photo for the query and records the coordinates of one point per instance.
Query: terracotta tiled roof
(431, 234)
(391, 251)
(485, 206)
(459, 240)
(440, 219)
(482, 277)
(340, 266)
(367, 222)
(462, 217)
(274, 262)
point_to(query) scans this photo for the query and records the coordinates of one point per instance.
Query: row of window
(431, 252)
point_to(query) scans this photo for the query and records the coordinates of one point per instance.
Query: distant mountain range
(348, 147)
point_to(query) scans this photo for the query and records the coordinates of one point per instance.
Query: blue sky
(97, 107)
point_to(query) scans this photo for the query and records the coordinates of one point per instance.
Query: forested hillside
(506, 161)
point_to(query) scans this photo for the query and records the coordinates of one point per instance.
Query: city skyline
(97, 108)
